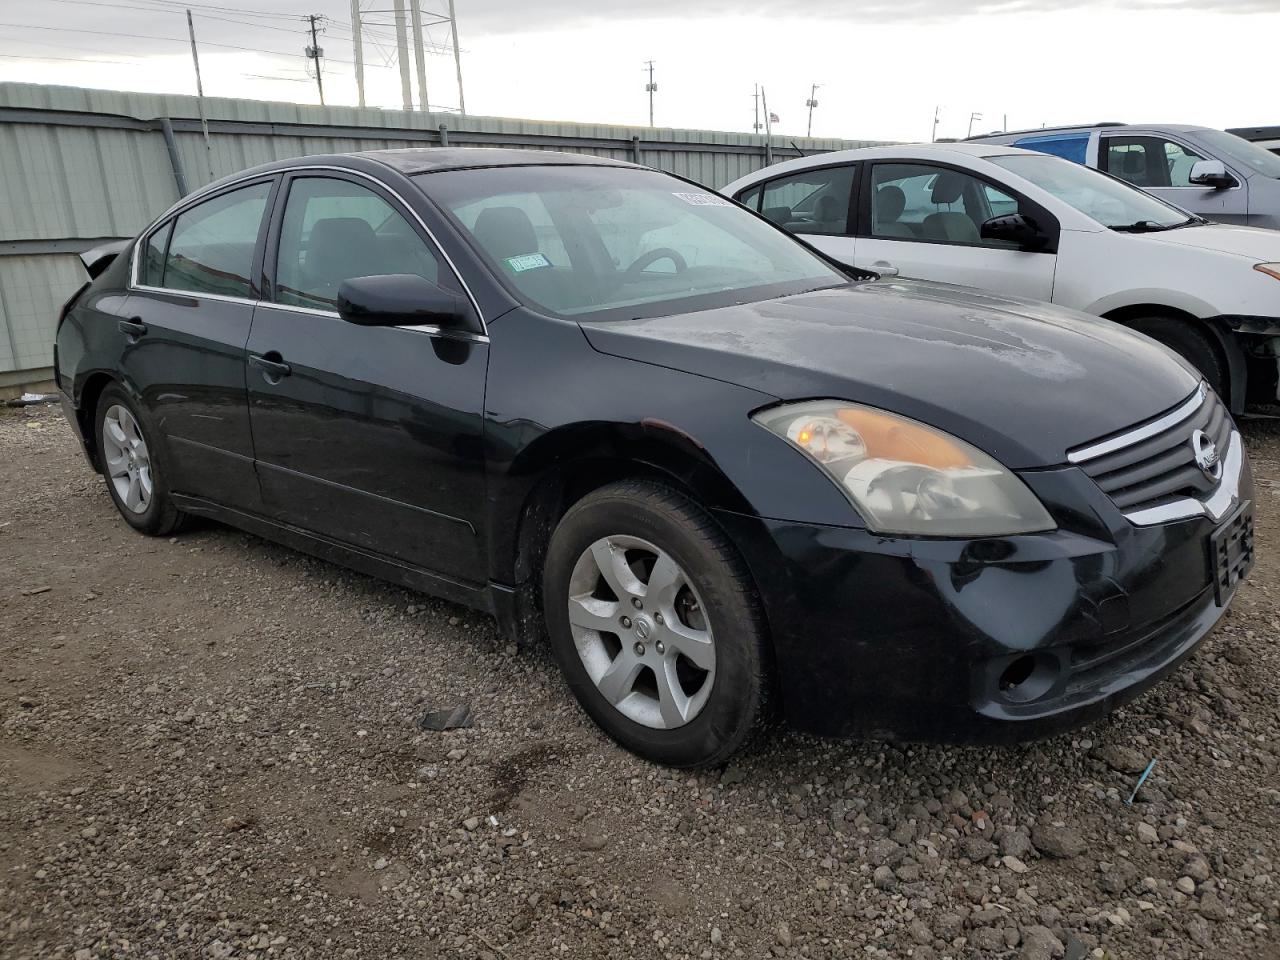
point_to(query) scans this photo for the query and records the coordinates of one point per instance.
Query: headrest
(948, 187)
(890, 202)
(777, 214)
(1135, 163)
(341, 248)
(505, 232)
(828, 209)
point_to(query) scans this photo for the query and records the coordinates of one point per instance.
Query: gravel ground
(209, 748)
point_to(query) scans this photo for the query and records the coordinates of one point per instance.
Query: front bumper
(991, 640)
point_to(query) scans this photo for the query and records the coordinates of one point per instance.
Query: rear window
(212, 246)
(1068, 146)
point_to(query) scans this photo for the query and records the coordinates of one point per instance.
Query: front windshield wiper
(1141, 226)
(1191, 221)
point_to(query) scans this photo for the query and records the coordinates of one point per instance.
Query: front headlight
(905, 477)
(1270, 269)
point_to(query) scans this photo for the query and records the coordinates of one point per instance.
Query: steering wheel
(652, 257)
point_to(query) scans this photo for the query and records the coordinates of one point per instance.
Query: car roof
(902, 151)
(410, 160)
(414, 160)
(1109, 126)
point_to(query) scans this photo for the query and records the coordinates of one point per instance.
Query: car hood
(1020, 379)
(1261, 246)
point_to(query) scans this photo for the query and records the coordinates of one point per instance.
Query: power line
(50, 56)
(152, 36)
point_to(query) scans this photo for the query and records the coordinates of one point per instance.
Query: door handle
(272, 366)
(133, 327)
(884, 268)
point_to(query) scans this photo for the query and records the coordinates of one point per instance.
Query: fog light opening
(1016, 674)
(1027, 678)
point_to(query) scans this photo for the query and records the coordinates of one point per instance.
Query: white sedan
(1031, 225)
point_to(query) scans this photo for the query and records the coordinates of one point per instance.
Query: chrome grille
(1151, 467)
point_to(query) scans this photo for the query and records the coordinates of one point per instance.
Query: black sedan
(724, 476)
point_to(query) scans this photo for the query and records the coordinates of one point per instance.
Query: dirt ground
(209, 748)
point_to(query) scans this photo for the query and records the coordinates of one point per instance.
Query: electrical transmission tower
(418, 22)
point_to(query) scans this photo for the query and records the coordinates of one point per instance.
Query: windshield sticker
(703, 199)
(529, 261)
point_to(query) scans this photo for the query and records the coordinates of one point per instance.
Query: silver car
(1205, 171)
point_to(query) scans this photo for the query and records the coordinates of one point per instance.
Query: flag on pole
(773, 118)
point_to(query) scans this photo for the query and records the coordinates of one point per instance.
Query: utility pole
(650, 87)
(1004, 123)
(937, 115)
(755, 127)
(315, 53)
(811, 103)
(359, 49)
(972, 117)
(768, 130)
(415, 10)
(457, 58)
(204, 123)
(402, 53)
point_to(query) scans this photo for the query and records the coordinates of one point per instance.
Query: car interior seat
(952, 225)
(779, 215)
(890, 201)
(828, 216)
(339, 248)
(506, 232)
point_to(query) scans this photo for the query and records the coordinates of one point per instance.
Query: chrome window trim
(187, 202)
(1137, 435)
(430, 329)
(1215, 506)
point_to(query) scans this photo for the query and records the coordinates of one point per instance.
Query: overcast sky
(882, 66)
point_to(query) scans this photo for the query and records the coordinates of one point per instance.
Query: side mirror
(1211, 173)
(400, 300)
(1014, 228)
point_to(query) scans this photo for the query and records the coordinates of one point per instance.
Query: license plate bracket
(1231, 552)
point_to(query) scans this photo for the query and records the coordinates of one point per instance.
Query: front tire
(1193, 344)
(656, 625)
(135, 478)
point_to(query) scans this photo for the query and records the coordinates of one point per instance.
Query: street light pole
(972, 117)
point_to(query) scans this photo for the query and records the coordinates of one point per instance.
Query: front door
(188, 322)
(1162, 167)
(924, 221)
(369, 436)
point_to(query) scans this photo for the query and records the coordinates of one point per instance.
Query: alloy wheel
(127, 459)
(642, 631)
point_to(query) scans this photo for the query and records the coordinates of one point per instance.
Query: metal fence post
(444, 135)
(175, 161)
(635, 149)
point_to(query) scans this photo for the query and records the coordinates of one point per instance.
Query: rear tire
(656, 625)
(1194, 344)
(132, 464)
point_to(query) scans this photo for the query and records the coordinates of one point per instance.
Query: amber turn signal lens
(892, 438)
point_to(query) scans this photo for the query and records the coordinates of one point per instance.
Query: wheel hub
(626, 599)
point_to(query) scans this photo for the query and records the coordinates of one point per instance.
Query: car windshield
(1113, 203)
(611, 243)
(1241, 150)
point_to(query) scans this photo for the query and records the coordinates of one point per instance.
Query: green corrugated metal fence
(80, 166)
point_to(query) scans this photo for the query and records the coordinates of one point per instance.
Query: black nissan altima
(725, 477)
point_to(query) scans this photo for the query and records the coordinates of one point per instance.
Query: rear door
(1162, 166)
(369, 436)
(190, 311)
(815, 204)
(924, 221)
